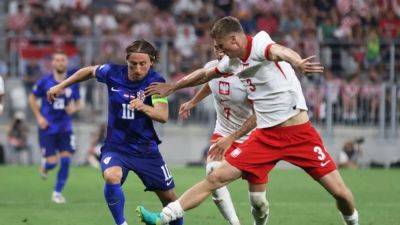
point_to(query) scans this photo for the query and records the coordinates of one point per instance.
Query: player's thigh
(66, 143)
(65, 154)
(112, 167)
(166, 196)
(153, 172)
(48, 147)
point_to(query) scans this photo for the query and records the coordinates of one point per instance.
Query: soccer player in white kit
(235, 120)
(283, 128)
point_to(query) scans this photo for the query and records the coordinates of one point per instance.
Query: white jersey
(273, 87)
(231, 104)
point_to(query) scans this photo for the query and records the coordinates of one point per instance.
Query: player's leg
(167, 197)
(114, 174)
(193, 197)
(335, 185)
(49, 154)
(222, 197)
(259, 203)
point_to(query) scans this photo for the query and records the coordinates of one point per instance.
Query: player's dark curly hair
(142, 46)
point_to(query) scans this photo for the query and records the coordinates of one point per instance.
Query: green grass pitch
(295, 199)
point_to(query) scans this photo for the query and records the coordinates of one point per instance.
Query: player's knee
(215, 181)
(112, 177)
(258, 201)
(341, 192)
(211, 166)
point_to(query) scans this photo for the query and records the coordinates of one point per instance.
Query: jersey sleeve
(38, 88)
(102, 72)
(225, 67)
(262, 44)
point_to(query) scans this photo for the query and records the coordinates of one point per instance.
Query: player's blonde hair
(142, 46)
(225, 26)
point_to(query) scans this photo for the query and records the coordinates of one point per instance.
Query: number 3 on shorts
(319, 151)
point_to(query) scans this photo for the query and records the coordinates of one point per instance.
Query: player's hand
(54, 92)
(71, 109)
(218, 149)
(43, 124)
(307, 67)
(184, 110)
(161, 89)
(137, 104)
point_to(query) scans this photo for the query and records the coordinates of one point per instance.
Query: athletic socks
(62, 175)
(352, 219)
(222, 198)
(171, 212)
(115, 200)
(259, 207)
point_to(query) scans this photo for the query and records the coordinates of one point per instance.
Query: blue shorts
(53, 143)
(153, 172)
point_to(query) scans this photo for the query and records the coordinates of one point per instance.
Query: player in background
(283, 128)
(131, 143)
(235, 120)
(56, 138)
(1, 95)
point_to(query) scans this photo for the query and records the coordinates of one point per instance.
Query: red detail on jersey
(227, 111)
(279, 67)
(221, 73)
(248, 48)
(224, 88)
(267, 50)
(251, 85)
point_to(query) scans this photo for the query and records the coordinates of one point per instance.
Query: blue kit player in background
(131, 143)
(56, 139)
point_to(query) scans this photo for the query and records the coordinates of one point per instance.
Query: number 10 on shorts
(167, 174)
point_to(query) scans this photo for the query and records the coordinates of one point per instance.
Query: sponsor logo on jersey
(224, 88)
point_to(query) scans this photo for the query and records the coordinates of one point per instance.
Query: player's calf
(259, 207)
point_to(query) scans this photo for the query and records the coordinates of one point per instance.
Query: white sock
(124, 223)
(259, 207)
(171, 212)
(352, 219)
(222, 198)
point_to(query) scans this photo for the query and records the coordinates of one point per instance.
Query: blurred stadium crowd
(353, 39)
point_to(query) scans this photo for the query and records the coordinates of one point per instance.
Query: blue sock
(62, 175)
(115, 200)
(49, 166)
(177, 222)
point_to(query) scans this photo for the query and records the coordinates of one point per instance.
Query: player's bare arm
(43, 124)
(80, 75)
(184, 110)
(158, 112)
(223, 144)
(280, 53)
(195, 78)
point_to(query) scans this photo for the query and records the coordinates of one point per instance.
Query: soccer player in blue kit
(131, 143)
(55, 123)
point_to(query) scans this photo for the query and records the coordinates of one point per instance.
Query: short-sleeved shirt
(231, 103)
(273, 87)
(128, 131)
(55, 113)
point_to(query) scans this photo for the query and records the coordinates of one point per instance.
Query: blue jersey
(129, 131)
(55, 114)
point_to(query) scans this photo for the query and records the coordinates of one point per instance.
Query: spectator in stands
(350, 154)
(104, 21)
(370, 94)
(17, 136)
(350, 93)
(18, 21)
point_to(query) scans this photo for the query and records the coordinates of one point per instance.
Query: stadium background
(357, 41)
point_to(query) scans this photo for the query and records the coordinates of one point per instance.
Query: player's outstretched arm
(79, 76)
(280, 53)
(184, 111)
(197, 77)
(157, 112)
(218, 149)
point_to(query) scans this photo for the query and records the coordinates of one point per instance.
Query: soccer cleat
(43, 173)
(147, 217)
(58, 198)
